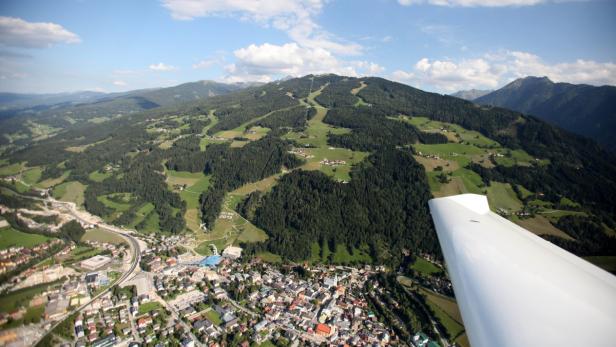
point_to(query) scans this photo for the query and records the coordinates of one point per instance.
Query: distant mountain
(186, 92)
(19, 101)
(143, 98)
(61, 111)
(471, 94)
(579, 108)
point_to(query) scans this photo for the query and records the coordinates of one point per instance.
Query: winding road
(85, 217)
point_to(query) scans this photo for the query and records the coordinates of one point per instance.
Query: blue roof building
(211, 261)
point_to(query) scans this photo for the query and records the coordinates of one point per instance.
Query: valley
(314, 172)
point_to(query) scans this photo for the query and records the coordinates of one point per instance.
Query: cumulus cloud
(473, 3)
(496, 69)
(162, 67)
(16, 32)
(119, 83)
(267, 62)
(295, 17)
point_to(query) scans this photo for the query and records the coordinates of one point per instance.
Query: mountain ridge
(586, 110)
(471, 94)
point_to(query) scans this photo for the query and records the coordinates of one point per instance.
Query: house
(323, 330)
(230, 320)
(144, 322)
(199, 325)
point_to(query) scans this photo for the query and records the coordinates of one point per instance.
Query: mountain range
(583, 109)
(133, 100)
(324, 167)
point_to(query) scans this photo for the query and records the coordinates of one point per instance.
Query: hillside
(26, 117)
(582, 109)
(326, 169)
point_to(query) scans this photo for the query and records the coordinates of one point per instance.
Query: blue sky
(437, 45)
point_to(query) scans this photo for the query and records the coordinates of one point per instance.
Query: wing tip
(474, 202)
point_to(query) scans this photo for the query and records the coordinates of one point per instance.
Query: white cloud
(205, 63)
(295, 17)
(267, 62)
(119, 83)
(496, 69)
(474, 3)
(162, 67)
(368, 68)
(16, 32)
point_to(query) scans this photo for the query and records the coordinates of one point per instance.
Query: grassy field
(10, 237)
(101, 235)
(196, 183)
(269, 257)
(149, 306)
(119, 202)
(541, 226)
(80, 253)
(51, 182)
(142, 213)
(9, 170)
(70, 191)
(341, 256)
(151, 223)
(315, 136)
(425, 267)
(460, 181)
(501, 195)
(230, 231)
(13, 300)
(79, 149)
(447, 312)
(213, 317)
(98, 176)
(454, 132)
(264, 185)
(31, 176)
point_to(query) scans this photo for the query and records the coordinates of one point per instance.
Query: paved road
(90, 219)
(175, 315)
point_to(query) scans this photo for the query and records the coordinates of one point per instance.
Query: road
(85, 217)
(175, 315)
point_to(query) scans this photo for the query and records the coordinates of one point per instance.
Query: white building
(232, 252)
(95, 263)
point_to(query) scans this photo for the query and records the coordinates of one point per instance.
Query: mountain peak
(529, 80)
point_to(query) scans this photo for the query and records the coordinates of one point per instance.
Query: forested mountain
(582, 109)
(471, 94)
(21, 101)
(326, 167)
(31, 116)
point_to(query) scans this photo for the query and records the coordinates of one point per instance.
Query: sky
(436, 45)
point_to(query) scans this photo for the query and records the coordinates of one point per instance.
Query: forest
(233, 167)
(383, 207)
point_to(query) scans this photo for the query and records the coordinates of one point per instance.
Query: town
(178, 298)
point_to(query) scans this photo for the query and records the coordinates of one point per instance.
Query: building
(232, 252)
(211, 261)
(95, 263)
(323, 330)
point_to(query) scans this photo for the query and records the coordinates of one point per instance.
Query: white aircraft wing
(516, 289)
